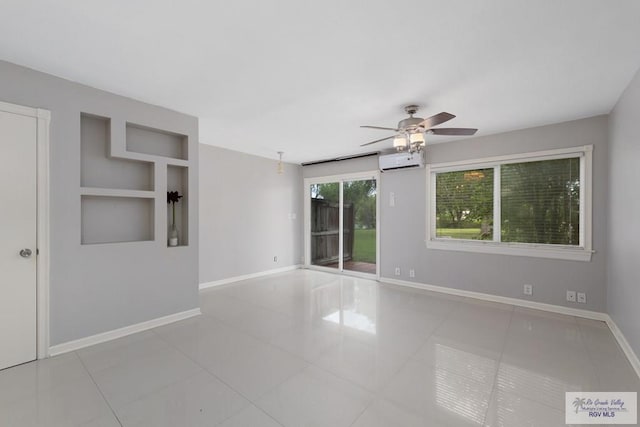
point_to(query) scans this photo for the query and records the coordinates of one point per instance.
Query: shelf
(99, 170)
(155, 158)
(145, 140)
(116, 219)
(114, 192)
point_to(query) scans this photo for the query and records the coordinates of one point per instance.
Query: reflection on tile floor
(314, 349)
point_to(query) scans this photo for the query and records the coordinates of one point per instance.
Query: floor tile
(42, 375)
(362, 363)
(223, 307)
(132, 379)
(480, 324)
(104, 421)
(251, 417)
(545, 379)
(186, 334)
(383, 413)
(306, 341)
(510, 410)
(264, 324)
(121, 350)
(253, 368)
(314, 397)
(72, 403)
(201, 400)
(547, 329)
(439, 395)
(460, 357)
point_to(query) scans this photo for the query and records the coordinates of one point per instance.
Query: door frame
(375, 174)
(43, 119)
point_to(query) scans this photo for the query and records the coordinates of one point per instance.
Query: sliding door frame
(340, 179)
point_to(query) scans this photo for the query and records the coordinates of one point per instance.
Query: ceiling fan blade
(436, 120)
(378, 127)
(453, 131)
(378, 140)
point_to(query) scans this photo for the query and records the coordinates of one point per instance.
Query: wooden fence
(325, 231)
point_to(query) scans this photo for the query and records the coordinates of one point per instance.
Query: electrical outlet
(275, 258)
(571, 296)
(412, 273)
(528, 289)
(582, 297)
(397, 271)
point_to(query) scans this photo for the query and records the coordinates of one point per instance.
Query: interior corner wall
(249, 214)
(102, 287)
(623, 272)
(403, 227)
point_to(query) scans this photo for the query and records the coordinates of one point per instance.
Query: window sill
(514, 249)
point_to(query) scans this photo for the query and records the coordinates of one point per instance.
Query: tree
(464, 199)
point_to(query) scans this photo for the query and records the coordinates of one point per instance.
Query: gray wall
(246, 214)
(98, 288)
(623, 274)
(403, 233)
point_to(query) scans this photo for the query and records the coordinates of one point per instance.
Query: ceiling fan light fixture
(399, 142)
(417, 138)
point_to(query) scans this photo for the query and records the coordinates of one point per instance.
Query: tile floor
(314, 349)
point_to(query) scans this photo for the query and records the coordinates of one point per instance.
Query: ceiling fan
(410, 131)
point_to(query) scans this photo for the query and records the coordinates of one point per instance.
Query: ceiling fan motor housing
(409, 123)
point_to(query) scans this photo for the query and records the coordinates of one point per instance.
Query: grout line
(495, 378)
(98, 388)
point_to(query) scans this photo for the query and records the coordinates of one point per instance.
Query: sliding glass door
(342, 216)
(359, 226)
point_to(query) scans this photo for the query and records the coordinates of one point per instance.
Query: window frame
(581, 252)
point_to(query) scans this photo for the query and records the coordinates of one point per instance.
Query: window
(535, 204)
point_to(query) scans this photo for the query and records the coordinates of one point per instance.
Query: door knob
(25, 253)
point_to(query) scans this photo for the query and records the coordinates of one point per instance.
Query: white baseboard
(587, 314)
(624, 344)
(228, 280)
(122, 332)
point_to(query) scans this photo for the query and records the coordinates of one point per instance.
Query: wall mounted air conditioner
(401, 160)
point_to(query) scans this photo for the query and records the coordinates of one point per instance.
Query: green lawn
(459, 233)
(364, 246)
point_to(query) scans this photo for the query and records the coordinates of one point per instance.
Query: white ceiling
(301, 76)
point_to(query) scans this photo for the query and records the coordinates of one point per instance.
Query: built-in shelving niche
(107, 219)
(178, 180)
(116, 195)
(145, 140)
(99, 170)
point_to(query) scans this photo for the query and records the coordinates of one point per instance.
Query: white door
(17, 239)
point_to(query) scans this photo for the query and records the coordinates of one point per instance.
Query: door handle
(25, 253)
